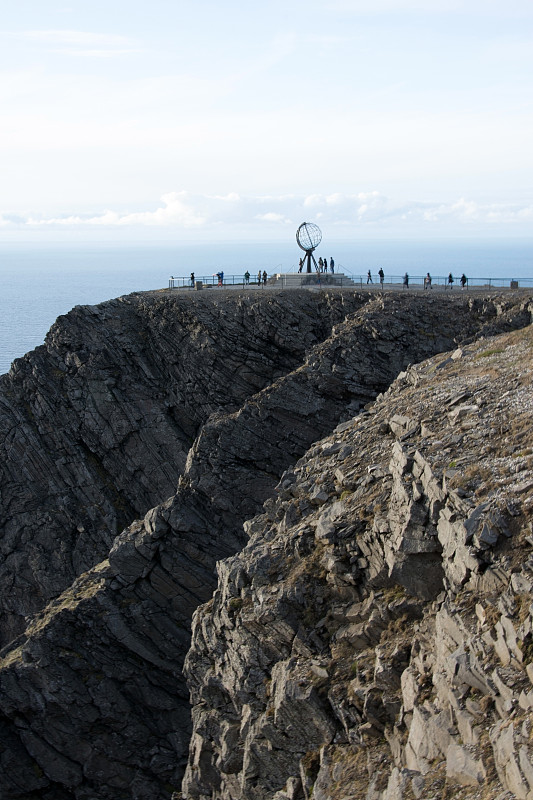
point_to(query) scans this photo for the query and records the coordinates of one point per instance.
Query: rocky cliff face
(374, 638)
(96, 425)
(218, 395)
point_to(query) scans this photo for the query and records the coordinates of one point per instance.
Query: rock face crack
(97, 673)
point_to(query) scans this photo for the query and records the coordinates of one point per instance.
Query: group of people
(449, 283)
(262, 277)
(381, 276)
(427, 280)
(322, 265)
(463, 280)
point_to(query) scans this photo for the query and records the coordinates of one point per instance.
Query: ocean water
(41, 281)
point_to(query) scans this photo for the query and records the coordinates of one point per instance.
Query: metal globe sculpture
(308, 237)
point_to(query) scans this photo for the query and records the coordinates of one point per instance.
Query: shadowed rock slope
(95, 426)
(93, 701)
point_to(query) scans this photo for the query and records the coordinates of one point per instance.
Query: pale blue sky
(184, 120)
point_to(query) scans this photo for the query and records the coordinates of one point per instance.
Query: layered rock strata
(93, 699)
(374, 638)
(96, 425)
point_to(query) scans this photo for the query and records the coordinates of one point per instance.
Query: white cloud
(86, 53)
(70, 37)
(325, 104)
(232, 197)
(518, 8)
(71, 42)
(335, 199)
(271, 216)
(175, 212)
(394, 6)
(360, 212)
(465, 208)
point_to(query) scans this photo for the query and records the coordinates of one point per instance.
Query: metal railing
(340, 278)
(441, 282)
(275, 278)
(212, 280)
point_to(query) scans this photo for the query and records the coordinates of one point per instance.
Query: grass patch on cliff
(352, 771)
(235, 605)
(476, 478)
(84, 589)
(394, 593)
(347, 663)
(311, 764)
(495, 351)
(13, 657)
(310, 567)
(523, 603)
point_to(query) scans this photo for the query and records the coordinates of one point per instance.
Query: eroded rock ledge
(94, 704)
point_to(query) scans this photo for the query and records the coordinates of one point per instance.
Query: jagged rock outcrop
(96, 425)
(93, 699)
(374, 638)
